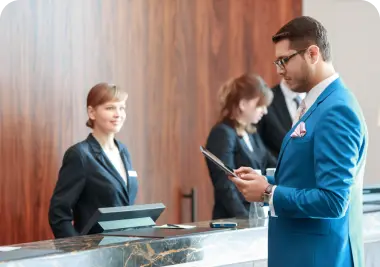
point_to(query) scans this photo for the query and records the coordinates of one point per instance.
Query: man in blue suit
(315, 196)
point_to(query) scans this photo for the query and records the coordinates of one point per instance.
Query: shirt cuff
(271, 207)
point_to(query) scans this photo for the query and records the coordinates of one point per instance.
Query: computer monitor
(125, 217)
(371, 189)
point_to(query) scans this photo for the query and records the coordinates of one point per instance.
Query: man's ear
(314, 54)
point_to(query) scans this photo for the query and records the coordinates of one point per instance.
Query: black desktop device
(371, 198)
(371, 189)
(125, 217)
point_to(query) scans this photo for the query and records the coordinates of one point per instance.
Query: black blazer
(87, 181)
(275, 125)
(224, 143)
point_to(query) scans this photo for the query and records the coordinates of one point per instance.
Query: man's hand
(244, 170)
(251, 184)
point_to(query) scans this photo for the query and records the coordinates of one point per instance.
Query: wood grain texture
(170, 55)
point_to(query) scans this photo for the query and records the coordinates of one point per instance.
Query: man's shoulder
(343, 97)
(343, 104)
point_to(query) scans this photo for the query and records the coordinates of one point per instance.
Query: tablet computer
(217, 162)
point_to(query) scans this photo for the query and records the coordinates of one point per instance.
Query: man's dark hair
(305, 31)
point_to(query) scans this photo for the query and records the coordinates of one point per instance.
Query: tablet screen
(217, 162)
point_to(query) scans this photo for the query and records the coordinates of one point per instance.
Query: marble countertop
(89, 242)
(247, 243)
(100, 250)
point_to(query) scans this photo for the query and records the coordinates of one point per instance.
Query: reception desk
(244, 246)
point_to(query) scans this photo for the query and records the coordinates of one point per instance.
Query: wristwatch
(267, 193)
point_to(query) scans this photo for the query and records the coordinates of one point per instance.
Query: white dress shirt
(117, 162)
(310, 98)
(247, 141)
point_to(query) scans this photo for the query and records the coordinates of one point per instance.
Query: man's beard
(303, 82)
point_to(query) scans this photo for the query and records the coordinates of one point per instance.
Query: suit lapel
(125, 162)
(107, 164)
(331, 88)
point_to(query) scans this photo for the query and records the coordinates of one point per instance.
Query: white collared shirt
(289, 96)
(117, 162)
(317, 90)
(310, 98)
(247, 141)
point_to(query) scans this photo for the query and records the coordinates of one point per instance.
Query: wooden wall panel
(171, 56)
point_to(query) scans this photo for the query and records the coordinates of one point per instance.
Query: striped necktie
(297, 100)
(300, 111)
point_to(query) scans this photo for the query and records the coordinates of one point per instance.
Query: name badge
(132, 173)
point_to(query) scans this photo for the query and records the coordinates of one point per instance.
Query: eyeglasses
(280, 63)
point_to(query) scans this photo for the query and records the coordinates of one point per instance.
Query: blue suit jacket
(319, 177)
(88, 181)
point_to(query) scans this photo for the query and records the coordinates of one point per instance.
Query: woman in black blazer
(96, 172)
(244, 100)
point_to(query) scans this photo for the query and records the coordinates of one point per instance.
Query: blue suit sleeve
(337, 141)
(221, 143)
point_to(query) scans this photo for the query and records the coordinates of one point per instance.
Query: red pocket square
(299, 131)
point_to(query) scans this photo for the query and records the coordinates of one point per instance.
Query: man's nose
(280, 70)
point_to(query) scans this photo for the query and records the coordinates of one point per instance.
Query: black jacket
(275, 125)
(88, 181)
(224, 142)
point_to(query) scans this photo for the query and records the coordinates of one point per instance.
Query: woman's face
(251, 112)
(108, 117)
